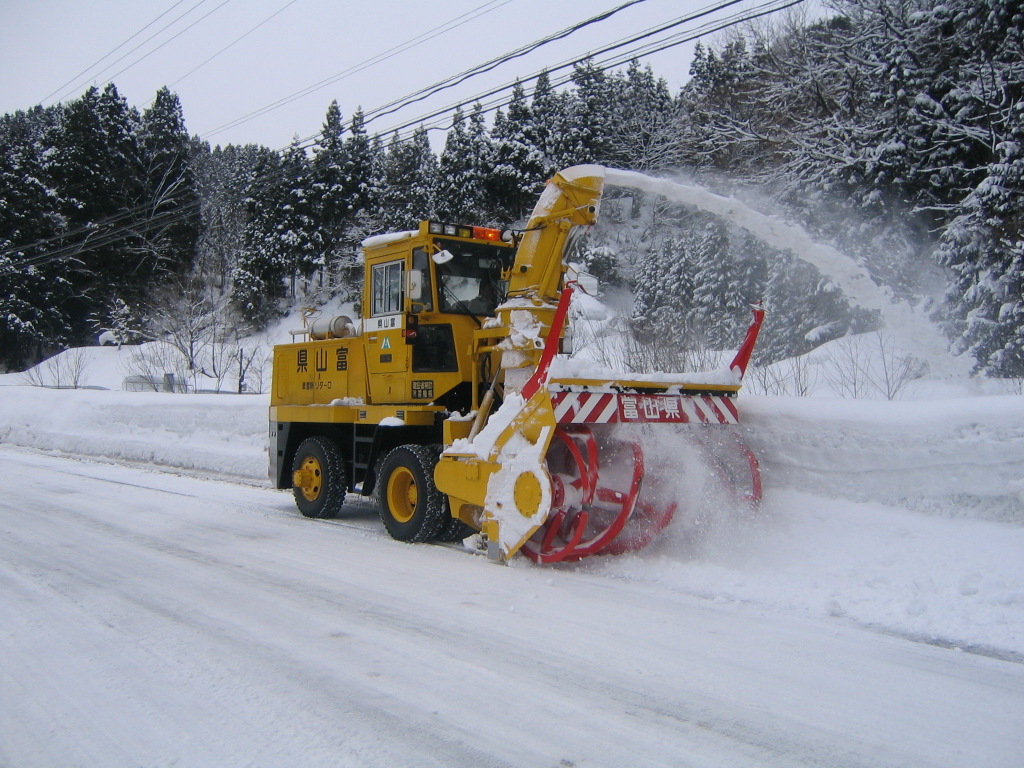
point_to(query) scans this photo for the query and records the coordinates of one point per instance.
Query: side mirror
(414, 284)
(586, 281)
(589, 283)
(442, 257)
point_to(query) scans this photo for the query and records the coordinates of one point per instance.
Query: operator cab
(428, 292)
(460, 277)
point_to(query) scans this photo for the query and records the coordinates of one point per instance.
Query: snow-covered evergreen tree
(279, 241)
(594, 109)
(644, 135)
(410, 177)
(518, 167)
(32, 298)
(330, 189)
(362, 205)
(663, 289)
(982, 106)
(296, 227)
(96, 162)
(345, 184)
(172, 226)
(984, 247)
(549, 113)
(359, 167)
(728, 278)
(224, 177)
(463, 169)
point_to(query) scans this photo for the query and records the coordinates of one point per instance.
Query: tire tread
(335, 483)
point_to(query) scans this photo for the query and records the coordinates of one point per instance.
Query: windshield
(471, 282)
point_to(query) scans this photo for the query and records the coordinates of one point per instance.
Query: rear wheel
(411, 507)
(318, 478)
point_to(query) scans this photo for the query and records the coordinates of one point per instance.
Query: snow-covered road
(152, 619)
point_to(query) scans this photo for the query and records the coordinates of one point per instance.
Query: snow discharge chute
(545, 473)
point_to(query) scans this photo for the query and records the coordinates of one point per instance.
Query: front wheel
(410, 505)
(318, 478)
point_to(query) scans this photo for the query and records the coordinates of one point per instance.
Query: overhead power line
(418, 40)
(480, 69)
(235, 41)
(111, 52)
(462, 76)
(709, 28)
(168, 40)
(773, 6)
(590, 55)
(168, 217)
(414, 97)
(114, 63)
(98, 239)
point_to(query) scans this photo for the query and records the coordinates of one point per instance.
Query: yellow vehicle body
(440, 399)
(396, 373)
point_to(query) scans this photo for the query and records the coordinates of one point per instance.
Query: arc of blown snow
(853, 279)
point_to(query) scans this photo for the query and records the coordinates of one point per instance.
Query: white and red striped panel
(610, 408)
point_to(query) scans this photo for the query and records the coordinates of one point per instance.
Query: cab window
(387, 288)
(472, 281)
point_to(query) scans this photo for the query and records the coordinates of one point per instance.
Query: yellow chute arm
(501, 470)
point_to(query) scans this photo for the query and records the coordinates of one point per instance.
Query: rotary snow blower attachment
(545, 473)
(449, 403)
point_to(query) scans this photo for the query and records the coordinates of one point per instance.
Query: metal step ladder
(360, 448)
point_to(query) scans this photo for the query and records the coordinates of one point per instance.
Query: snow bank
(951, 582)
(962, 457)
(957, 458)
(221, 434)
(906, 516)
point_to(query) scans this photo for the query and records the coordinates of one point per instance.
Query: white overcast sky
(47, 43)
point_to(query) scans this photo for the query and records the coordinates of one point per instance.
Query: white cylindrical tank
(338, 327)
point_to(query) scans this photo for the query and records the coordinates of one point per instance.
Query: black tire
(324, 494)
(455, 530)
(410, 505)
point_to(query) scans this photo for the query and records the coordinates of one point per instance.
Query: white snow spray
(918, 332)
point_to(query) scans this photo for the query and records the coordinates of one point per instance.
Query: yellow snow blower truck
(449, 402)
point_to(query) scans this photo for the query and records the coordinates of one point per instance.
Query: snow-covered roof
(378, 240)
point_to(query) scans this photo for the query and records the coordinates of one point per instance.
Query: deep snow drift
(908, 516)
